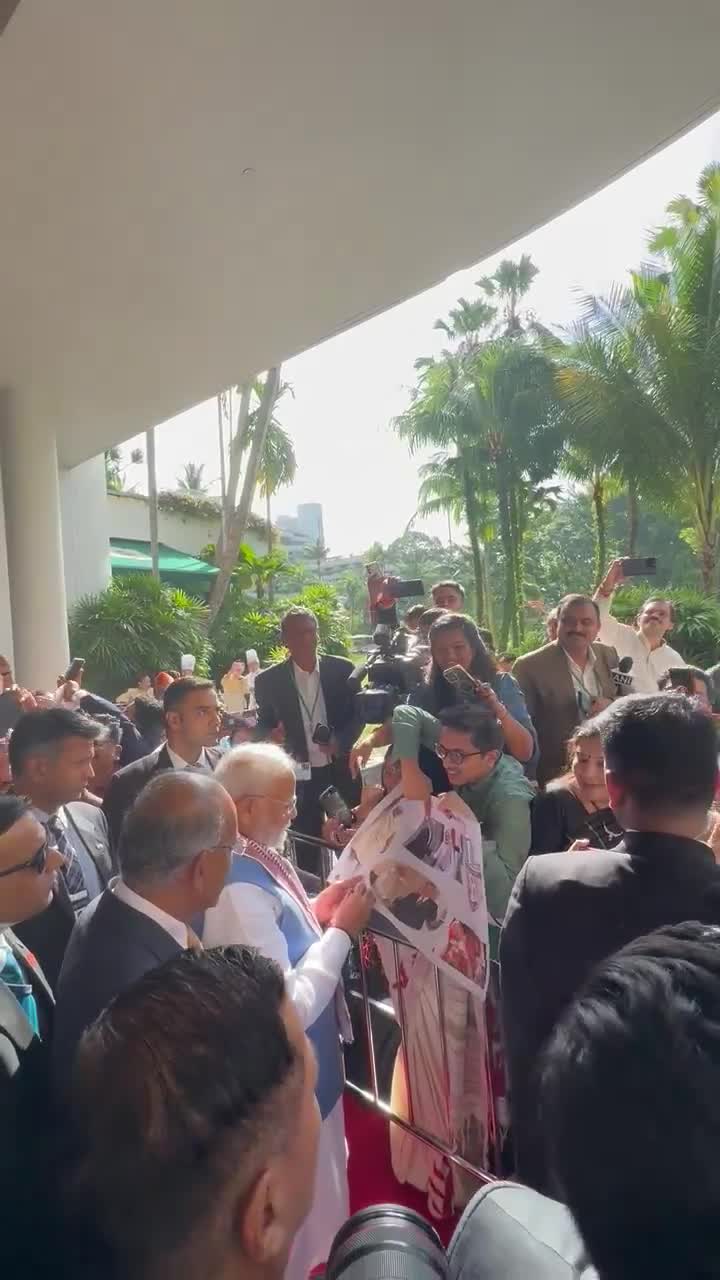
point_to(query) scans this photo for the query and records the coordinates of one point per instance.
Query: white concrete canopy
(191, 191)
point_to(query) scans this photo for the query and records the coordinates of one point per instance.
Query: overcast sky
(348, 389)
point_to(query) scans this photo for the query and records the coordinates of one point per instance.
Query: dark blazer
(48, 934)
(112, 946)
(544, 677)
(569, 911)
(278, 703)
(126, 785)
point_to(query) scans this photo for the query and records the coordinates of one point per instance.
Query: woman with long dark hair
(456, 642)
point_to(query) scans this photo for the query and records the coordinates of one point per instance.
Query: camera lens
(387, 1242)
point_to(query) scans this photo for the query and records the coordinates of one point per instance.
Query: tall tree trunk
(221, 451)
(598, 502)
(152, 502)
(509, 627)
(238, 446)
(268, 521)
(238, 521)
(706, 526)
(633, 516)
(519, 520)
(471, 521)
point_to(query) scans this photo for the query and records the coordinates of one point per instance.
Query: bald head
(175, 818)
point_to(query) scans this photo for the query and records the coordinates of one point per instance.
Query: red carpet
(370, 1172)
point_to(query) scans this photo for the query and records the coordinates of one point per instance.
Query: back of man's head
(660, 756)
(178, 815)
(630, 1083)
(189, 1095)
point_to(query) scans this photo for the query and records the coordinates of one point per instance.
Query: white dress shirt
(177, 761)
(312, 710)
(175, 928)
(585, 681)
(649, 666)
(245, 913)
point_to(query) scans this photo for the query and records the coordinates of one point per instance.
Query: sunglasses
(38, 862)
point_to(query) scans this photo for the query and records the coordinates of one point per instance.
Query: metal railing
(375, 1016)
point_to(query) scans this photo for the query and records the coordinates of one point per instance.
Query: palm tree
(278, 467)
(663, 336)
(458, 485)
(353, 590)
(116, 473)
(507, 285)
(318, 552)
(191, 481)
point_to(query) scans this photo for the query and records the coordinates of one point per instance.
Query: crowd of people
(172, 983)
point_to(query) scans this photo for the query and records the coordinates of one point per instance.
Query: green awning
(176, 568)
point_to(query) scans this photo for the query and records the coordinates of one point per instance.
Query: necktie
(72, 871)
(15, 980)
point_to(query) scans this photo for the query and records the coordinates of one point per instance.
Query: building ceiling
(190, 192)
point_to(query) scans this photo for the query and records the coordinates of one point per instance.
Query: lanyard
(310, 714)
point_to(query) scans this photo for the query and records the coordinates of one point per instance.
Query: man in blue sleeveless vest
(264, 905)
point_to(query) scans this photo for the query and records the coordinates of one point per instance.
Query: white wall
(86, 549)
(128, 518)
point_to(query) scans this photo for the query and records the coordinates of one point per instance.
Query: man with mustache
(645, 643)
(567, 681)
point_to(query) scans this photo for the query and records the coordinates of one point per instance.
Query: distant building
(301, 531)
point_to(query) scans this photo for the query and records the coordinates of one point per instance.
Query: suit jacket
(48, 934)
(544, 677)
(278, 702)
(112, 946)
(126, 785)
(28, 1127)
(568, 912)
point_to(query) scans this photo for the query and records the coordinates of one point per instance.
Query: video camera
(391, 672)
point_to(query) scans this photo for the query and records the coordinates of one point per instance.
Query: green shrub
(332, 618)
(696, 634)
(136, 625)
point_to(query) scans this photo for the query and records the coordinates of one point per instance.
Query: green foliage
(136, 625)
(332, 619)
(242, 625)
(696, 634)
(199, 507)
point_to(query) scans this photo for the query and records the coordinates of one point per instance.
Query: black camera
(321, 735)
(390, 671)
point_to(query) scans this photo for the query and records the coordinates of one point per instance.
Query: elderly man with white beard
(264, 905)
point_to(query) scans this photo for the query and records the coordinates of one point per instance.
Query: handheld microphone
(622, 677)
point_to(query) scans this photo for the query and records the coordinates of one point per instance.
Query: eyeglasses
(38, 862)
(222, 848)
(455, 757)
(288, 806)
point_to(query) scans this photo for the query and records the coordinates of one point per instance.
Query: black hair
(568, 601)
(179, 690)
(485, 730)
(204, 1085)
(663, 749)
(659, 600)
(482, 665)
(713, 676)
(429, 617)
(296, 611)
(487, 638)
(449, 582)
(414, 612)
(111, 728)
(41, 732)
(629, 1088)
(682, 678)
(12, 809)
(149, 715)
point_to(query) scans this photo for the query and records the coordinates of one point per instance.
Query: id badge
(303, 772)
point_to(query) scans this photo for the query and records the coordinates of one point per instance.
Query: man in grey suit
(566, 681)
(174, 856)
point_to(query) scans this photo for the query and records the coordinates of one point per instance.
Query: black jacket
(278, 703)
(568, 912)
(112, 946)
(126, 785)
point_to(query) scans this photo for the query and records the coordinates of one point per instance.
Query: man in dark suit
(305, 705)
(568, 911)
(29, 864)
(174, 854)
(51, 758)
(566, 681)
(193, 722)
